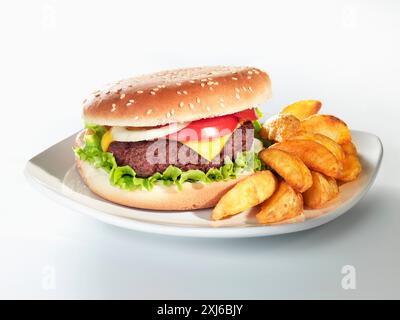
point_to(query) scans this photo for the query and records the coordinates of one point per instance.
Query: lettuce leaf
(124, 177)
(194, 176)
(257, 127)
(98, 130)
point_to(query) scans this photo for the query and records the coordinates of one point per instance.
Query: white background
(53, 53)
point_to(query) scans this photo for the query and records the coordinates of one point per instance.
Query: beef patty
(149, 157)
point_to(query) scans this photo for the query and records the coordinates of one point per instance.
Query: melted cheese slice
(106, 141)
(208, 149)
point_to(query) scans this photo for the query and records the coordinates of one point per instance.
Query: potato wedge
(351, 168)
(297, 219)
(349, 148)
(328, 143)
(279, 127)
(322, 190)
(351, 164)
(246, 194)
(314, 155)
(284, 204)
(302, 109)
(327, 125)
(289, 167)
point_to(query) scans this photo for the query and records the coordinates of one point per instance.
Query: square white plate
(54, 173)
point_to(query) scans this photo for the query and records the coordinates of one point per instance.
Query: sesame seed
(237, 90)
(122, 96)
(208, 109)
(149, 111)
(178, 84)
(244, 88)
(191, 106)
(84, 101)
(211, 88)
(152, 92)
(202, 84)
(131, 100)
(203, 80)
(250, 72)
(216, 83)
(168, 115)
(139, 91)
(198, 100)
(181, 104)
(128, 104)
(234, 78)
(250, 89)
(192, 81)
(237, 95)
(185, 92)
(136, 118)
(156, 89)
(222, 105)
(256, 72)
(172, 111)
(210, 83)
(249, 77)
(221, 99)
(113, 105)
(178, 92)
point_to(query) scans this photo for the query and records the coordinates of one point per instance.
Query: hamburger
(172, 140)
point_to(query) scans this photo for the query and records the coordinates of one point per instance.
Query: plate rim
(32, 173)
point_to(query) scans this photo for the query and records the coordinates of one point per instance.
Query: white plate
(55, 173)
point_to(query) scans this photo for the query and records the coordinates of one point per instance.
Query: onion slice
(122, 134)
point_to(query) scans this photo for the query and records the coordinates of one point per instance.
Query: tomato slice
(248, 114)
(212, 128)
(206, 129)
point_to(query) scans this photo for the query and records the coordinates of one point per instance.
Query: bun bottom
(192, 196)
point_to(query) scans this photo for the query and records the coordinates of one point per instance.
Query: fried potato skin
(284, 204)
(279, 127)
(327, 125)
(314, 155)
(351, 169)
(246, 194)
(351, 164)
(327, 142)
(302, 109)
(289, 167)
(297, 219)
(322, 190)
(349, 148)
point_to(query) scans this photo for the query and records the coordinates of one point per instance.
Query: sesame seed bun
(192, 196)
(177, 96)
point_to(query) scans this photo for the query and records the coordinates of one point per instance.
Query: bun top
(177, 96)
